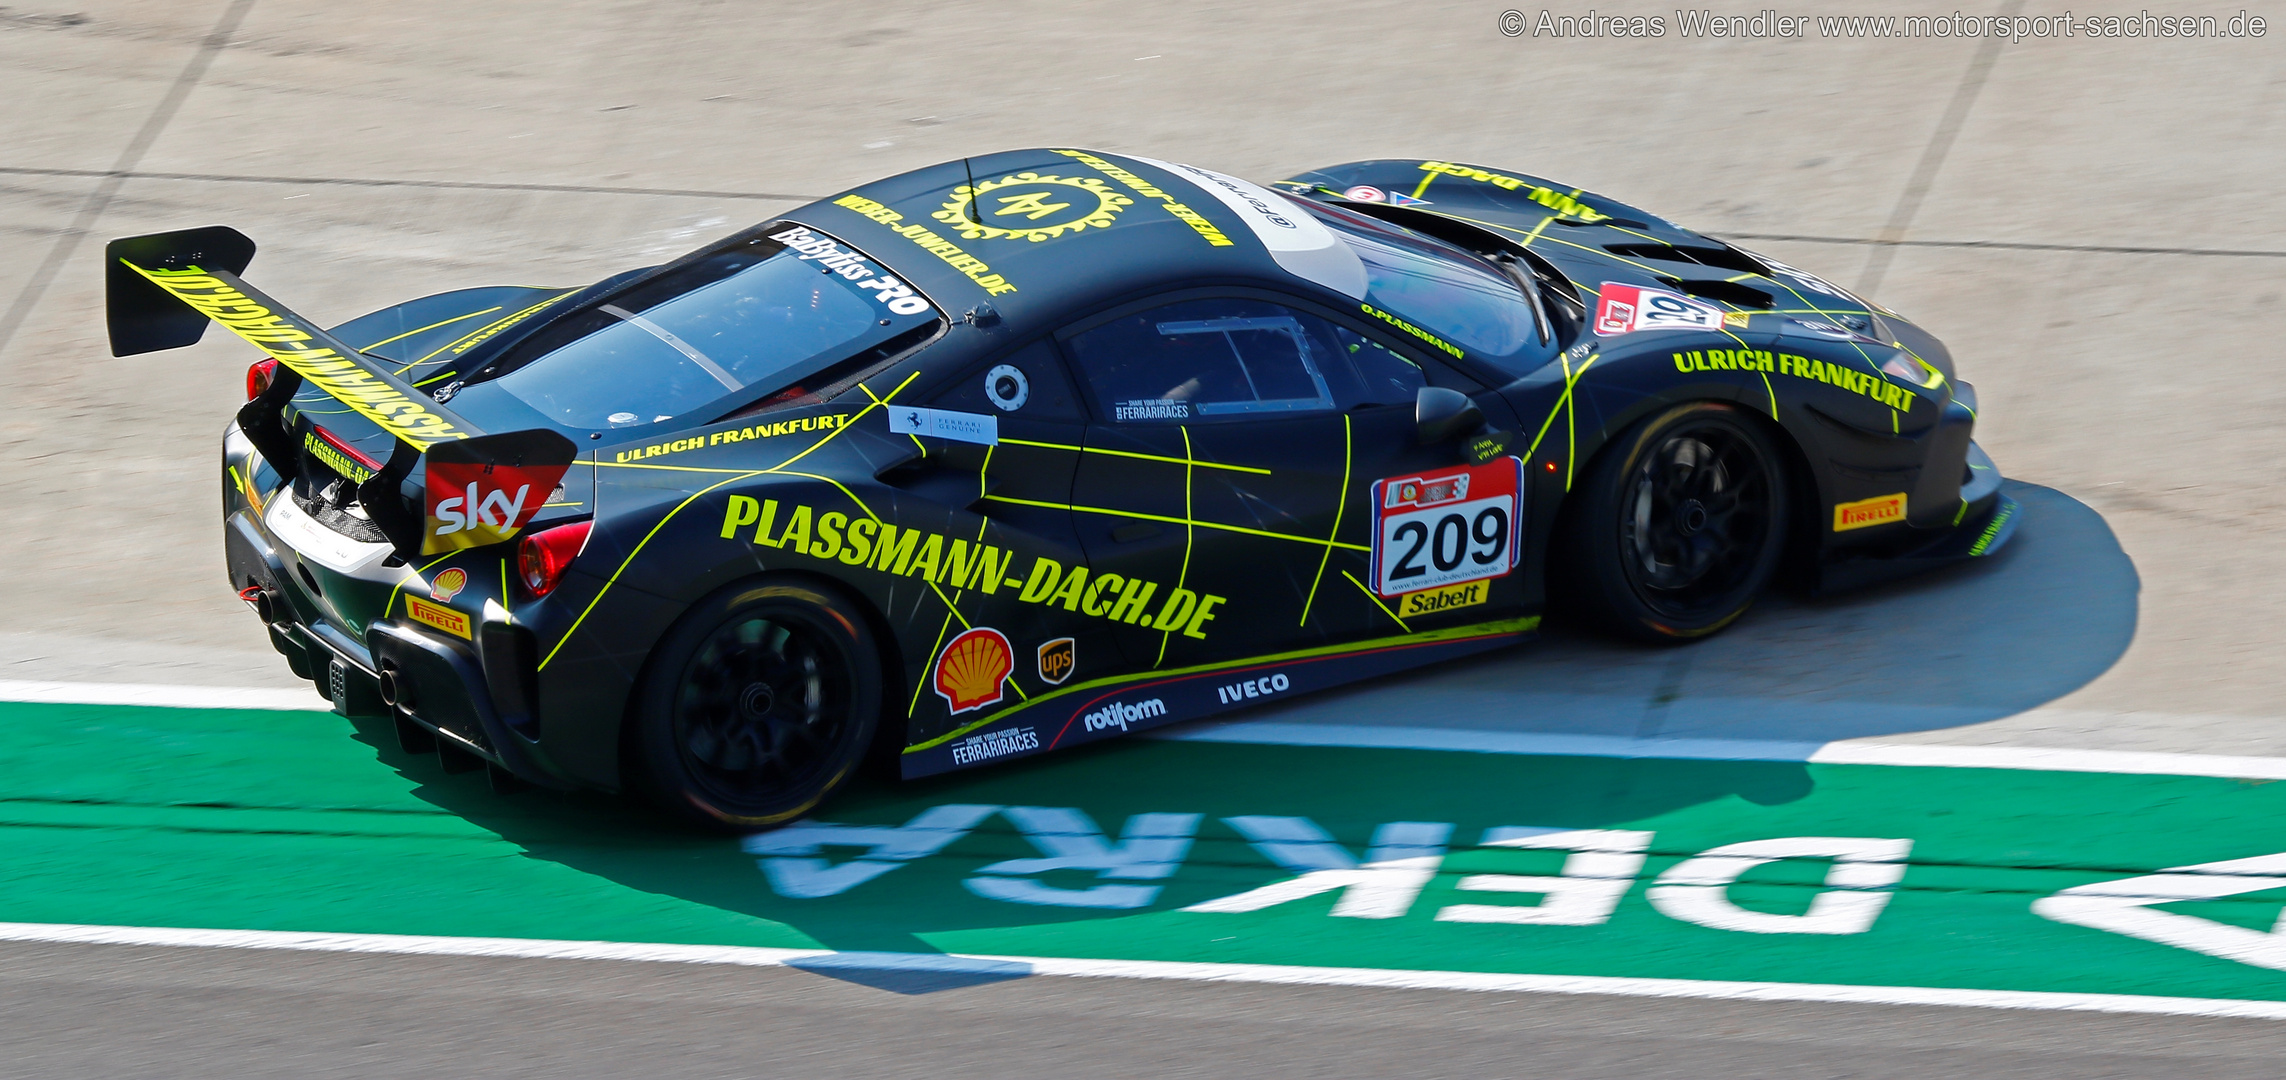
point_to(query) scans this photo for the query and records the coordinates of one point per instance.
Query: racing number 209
(1436, 529)
(1489, 533)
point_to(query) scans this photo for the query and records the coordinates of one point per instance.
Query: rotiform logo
(1119, 714)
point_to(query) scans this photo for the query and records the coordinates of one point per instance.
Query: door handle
(903, 469)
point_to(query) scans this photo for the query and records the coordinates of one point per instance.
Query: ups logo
(1057, 659)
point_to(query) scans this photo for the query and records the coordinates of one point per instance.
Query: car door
(1011, 489)
(1233, 452)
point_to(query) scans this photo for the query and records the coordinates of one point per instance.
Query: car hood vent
(1729, 292)
(1721, 258)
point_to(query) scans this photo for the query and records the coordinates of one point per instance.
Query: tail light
(542, 557)
(259, 376)
(342, 445)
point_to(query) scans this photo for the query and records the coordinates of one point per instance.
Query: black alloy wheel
(1680, 525)
(760, 702)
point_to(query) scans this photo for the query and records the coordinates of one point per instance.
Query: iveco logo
(1253, 688)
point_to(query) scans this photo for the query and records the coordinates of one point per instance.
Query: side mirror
(1442, 414)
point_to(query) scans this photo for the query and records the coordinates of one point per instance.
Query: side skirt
(1107, 708)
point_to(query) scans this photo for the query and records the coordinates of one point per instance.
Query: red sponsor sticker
(1627, 309)
(472, 505)
(1364, 193)
(485, 490)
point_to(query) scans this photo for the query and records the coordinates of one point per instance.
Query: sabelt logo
(1432, 601)
(1880, 510)
(973, 670)
(471, 505)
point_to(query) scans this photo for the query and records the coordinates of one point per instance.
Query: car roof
(1042, 234)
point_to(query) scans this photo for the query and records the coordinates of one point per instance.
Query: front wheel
(756, 706)
(1679, 525)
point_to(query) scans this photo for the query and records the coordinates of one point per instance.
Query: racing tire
(1679, 526)
(760, 702)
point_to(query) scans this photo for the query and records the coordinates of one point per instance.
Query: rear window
(782, 308)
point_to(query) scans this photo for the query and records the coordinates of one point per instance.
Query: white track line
(1275, 974)
(1914, 755)
(1374, 737)
(173, 697)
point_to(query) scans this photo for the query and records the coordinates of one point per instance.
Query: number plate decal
(1626, 309)
(1443, 527)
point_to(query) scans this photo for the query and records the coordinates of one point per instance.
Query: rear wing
(477, 489)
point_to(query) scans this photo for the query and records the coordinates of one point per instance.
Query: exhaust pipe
(264, 601)
(396, 692)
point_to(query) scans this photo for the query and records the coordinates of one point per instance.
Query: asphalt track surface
(2092, 226)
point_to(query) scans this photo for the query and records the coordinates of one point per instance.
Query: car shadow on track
(926, 905)
(1959, 646)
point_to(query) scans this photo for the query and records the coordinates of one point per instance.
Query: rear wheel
(1679, 526)
(757, 705)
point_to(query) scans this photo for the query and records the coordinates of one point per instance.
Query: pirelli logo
(438, 616)
(1879, 510)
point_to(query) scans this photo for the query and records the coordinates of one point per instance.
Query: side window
(1029, 383)
(1383, 377)
(1233, 359)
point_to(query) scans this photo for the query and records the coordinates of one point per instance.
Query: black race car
(1023, 451)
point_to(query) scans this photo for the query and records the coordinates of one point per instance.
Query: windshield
(1452, 303)
(761, 316)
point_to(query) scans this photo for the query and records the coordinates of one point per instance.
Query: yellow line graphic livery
(311, 353)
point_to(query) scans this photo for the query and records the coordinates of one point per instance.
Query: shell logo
(973, 668)
(449, 584)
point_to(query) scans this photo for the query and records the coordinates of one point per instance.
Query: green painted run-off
(302, 821)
